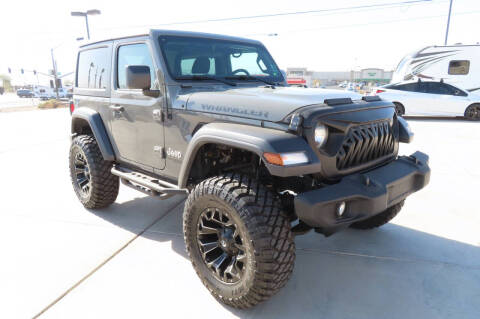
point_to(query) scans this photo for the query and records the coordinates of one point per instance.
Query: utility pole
(54, 74)
(448, 22)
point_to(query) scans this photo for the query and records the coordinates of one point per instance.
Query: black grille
(365, 143)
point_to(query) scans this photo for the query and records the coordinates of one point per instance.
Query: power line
(391, 4)
(367, 24)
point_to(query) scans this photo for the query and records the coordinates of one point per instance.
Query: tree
(6, 82)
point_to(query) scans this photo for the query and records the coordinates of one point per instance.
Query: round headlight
(321, 134)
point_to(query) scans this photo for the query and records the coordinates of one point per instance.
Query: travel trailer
(46, 92)
(455, 64)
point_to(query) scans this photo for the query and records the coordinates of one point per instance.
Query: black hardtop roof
(155, 33)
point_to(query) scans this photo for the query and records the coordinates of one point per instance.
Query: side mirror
(138, 77)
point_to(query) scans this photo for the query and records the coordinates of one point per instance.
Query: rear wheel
(399, 108)
(473, 112)
(380, 219)
(92, 181)
(238, 239)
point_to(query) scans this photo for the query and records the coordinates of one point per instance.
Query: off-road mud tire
(266, 228)
(104, 185)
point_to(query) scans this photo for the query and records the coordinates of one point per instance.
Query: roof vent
(338, 101)
(371, 98)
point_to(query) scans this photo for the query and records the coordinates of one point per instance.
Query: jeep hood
(262, 103)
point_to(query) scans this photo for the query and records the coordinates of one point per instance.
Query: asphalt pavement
(60, 260)
(11, 100)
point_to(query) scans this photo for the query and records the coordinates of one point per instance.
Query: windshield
(190, 57)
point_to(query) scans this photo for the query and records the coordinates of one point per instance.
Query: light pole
(86, 14)
(448, 22)
(54, 65)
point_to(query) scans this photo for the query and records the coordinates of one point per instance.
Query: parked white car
(431, 98)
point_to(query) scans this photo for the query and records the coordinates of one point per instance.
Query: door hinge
(159, 149)
(158, 115)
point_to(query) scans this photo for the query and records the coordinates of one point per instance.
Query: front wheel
(238, 239)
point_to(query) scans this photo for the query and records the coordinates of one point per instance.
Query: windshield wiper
(204, 78)
(250, 77)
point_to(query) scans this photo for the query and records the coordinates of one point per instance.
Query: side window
(133, 54)
(453, 90)
(438, 88)
(431, 88)
(410, 87)
(459, 67)
(93, 68)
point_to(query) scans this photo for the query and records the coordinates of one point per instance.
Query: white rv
(46, 92)
(455, 64)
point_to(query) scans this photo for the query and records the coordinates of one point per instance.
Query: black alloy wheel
(82, 174)
(221, 245)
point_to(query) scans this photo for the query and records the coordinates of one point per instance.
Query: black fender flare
(255, 139)
(97, 127)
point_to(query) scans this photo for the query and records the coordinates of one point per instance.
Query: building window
(295, 73)
(459, 67)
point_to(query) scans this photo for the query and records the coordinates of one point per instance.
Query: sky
(340, 40)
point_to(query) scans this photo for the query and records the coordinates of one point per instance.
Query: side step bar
(146, 184)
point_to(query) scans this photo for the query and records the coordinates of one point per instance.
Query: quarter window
(133, 54)
(93, 70)
(459, 67)
(440, 88)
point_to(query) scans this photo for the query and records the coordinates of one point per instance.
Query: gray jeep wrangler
(173, 113)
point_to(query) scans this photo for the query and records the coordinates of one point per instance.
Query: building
(299, 76)
(317, 79)
(372, 75)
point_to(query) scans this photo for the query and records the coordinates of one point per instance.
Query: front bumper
(365, 194)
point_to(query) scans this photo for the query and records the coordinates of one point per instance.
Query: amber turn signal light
(286, 159)
(273, 158)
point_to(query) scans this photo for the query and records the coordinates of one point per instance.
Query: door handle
(117, 108)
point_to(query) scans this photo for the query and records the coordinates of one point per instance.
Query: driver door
(136, 120)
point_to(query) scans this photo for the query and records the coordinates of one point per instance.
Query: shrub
(51, 104)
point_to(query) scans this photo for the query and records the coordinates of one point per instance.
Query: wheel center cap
(226, 240)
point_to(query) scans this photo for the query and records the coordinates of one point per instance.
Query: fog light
(341, 209)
